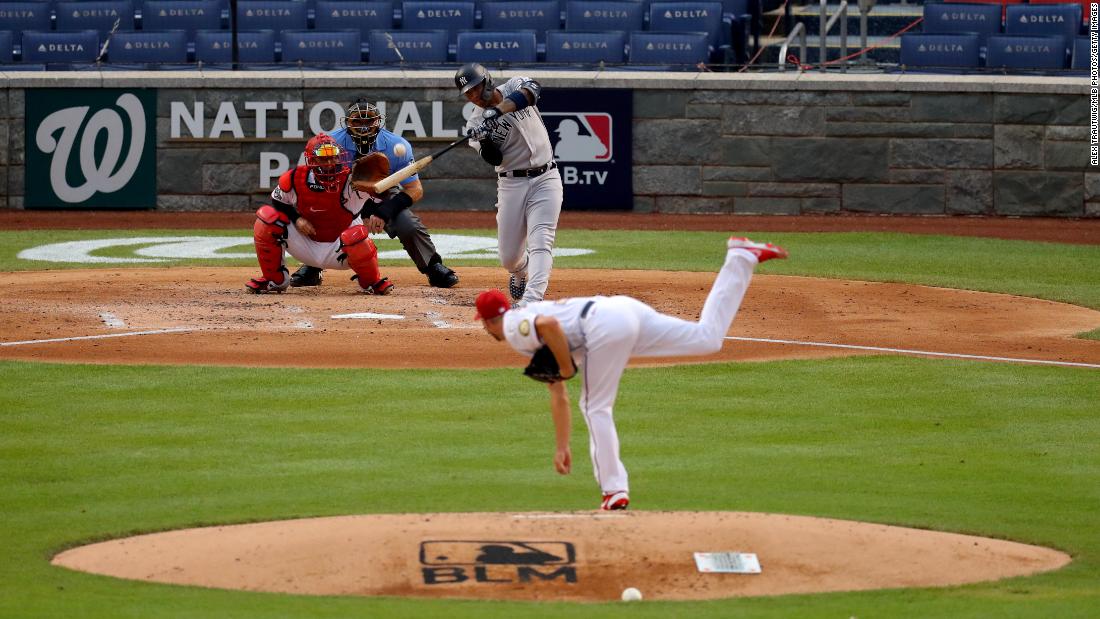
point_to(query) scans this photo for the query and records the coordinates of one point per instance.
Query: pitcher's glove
(544, 367)
(369, 170)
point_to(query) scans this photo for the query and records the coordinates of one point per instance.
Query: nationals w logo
(88, 148)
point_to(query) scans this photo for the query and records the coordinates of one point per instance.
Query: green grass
(993, 449)
(1067, 273)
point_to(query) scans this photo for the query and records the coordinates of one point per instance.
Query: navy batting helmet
(472, 75)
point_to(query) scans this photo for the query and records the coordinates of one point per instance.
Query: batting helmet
(471, 75)
(327, 160)
(363, 121)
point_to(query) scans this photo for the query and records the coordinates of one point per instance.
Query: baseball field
(937, 375)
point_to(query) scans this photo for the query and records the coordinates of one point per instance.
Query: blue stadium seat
(215, 47)
(740, 24)
(98, 15)
(271, 15)
(18, 17)
(941, 50)
(148, 46)
(668, 48)
(537, 15)
(687, 17)
(599, 16)
(1063, 20)
(320, 47)
(424, 46)
(7, 54)
(186, 15)
(364, 16)
(437, 15)
(1081, 53)
(984, 19)
(1026, 52)
(567, 47)
(61, 47)
(485, 46)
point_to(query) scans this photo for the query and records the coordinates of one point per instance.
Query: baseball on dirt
(399, 150)
(630, 594)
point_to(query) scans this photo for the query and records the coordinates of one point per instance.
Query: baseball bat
(393, 179)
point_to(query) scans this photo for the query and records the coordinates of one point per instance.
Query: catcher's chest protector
(325, 210)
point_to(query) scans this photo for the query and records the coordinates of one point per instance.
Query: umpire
(364, 132)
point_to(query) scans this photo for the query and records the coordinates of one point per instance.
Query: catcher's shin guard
(269, 233)
(361, 256)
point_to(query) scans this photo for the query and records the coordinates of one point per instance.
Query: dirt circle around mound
(198, 315)
(558, 556)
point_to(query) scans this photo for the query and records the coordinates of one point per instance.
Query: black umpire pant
(414, 237)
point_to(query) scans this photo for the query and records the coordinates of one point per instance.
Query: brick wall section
(707, 143)
(930, 153)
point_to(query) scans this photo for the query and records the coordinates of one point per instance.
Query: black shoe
(516, 287)
(307, 276)
(439, 276)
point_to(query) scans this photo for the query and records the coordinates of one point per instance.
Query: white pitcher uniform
(605, 332)
(529, 192)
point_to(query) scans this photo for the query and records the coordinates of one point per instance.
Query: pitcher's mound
(558, 556)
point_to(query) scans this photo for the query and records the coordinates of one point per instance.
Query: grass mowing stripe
(999, 450)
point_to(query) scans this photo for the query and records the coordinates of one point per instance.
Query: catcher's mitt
(369, 170)
(544, 367)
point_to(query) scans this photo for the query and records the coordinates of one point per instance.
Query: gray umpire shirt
(521, 135)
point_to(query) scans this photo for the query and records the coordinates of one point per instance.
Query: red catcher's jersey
(330, 213)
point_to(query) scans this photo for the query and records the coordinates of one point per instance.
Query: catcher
(315, 215)
(603, 333)
(364, 133)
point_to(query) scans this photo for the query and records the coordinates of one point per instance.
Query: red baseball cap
(490, 304)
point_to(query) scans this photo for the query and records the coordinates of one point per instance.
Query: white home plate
(371, 315)
(727, 562)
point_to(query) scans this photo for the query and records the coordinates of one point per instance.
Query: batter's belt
(529, 172)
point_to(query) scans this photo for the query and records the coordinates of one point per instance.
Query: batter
(506, 129)
(597, 336)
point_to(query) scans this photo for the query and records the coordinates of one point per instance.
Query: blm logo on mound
(449, 562)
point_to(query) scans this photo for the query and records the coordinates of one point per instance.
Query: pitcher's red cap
(490, 304)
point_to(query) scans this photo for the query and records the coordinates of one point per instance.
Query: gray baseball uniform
(528, 202)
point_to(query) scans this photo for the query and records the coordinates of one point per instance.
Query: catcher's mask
(363, 121)
(327, 160)
(472, 75)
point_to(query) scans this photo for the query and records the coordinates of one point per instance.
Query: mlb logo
(580, 136)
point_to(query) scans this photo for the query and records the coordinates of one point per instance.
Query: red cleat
(762, 251)
(615, 501)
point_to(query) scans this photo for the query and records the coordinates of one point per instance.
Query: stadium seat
(397, 46)
(271, 15)
(365, 16)
(1086, 6)
(983, 19)
(61, 47)
(7, 54)
(187, 15)
(1082, 52)
(215, 47)
(318, 47)
(1063, 20)
(598, 16)
(18, 17)
(668, 48)
(1001, 3)
(687, 17)
(98, 15)
(567, 47)
(1026, 52)
(485, 47)
(148, 46)
(740, 24)
(941, 50)
(437, 15)
(536, 15)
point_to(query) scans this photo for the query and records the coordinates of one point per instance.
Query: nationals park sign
(88, 148)
(591, 140)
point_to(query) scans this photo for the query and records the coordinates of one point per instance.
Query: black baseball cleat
(439, 276)
(307, 276)
(517, 286)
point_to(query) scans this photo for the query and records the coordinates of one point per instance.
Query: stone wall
(721, 143)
